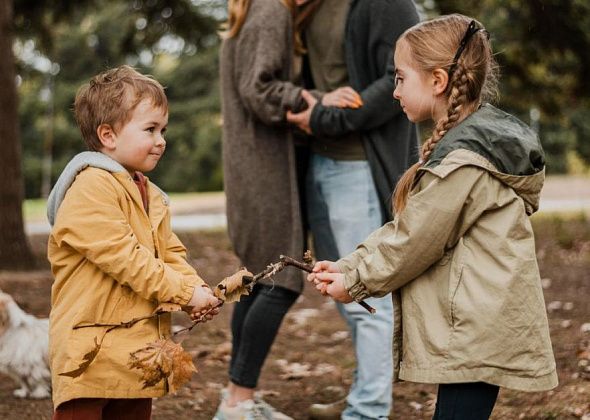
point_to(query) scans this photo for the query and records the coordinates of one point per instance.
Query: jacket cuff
(355, 288)
(187, 289)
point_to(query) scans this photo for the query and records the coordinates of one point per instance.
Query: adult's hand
(301, 119)
(343, 97)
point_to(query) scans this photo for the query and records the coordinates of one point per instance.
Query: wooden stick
(306, 267)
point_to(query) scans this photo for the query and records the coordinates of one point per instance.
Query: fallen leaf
(163, 360)
(232, 288)
(88, 358)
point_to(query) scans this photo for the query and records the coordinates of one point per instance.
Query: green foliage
(172, 39)
(543, 48)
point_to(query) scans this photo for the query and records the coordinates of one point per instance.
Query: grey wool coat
(263, 210)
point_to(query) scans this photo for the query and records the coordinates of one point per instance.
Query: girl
(258, 65)
(461, 250)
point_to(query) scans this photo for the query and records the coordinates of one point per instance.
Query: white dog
(23, 349)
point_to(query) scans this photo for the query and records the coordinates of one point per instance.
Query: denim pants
(343, 209)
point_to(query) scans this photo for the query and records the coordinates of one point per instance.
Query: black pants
(255, 323)
(468, 401)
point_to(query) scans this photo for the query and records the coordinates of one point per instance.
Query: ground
(312, 359)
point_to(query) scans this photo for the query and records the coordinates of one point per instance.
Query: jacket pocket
(454, 285)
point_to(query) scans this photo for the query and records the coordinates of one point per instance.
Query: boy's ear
(107, 136)
(440, 81)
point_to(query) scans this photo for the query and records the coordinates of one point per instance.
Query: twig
(306, 267)
(199, 319)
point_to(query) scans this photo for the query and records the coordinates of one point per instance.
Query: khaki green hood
(500, 143)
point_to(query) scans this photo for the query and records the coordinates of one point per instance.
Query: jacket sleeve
(260, 73)
(434, 220)
(91, 221)
(175, 256)
(386, 21)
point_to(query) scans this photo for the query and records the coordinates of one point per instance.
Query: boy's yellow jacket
(462, 256)
(111, 263)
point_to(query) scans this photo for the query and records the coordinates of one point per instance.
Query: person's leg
(257, 333)
(351, 212)
(465, 401)
(128, 409)
(80, 409)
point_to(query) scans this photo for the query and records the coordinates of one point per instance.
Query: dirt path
(312, 359)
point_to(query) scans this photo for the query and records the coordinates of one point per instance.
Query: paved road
(207, 211)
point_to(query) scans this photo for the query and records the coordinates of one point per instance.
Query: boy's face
(139, 144)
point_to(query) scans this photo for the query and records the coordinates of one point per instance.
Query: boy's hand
(201, 302)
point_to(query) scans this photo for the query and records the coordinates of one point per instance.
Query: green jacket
(462, 258)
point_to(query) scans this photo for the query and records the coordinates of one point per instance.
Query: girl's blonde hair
(473, 78)
(238, 10)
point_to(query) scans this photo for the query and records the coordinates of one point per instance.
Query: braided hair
(447, 43)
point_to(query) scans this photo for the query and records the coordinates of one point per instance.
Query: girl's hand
(332, 284)
(320, 267)
(343, 97)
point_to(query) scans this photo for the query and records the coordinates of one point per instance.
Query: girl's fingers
(325, 277)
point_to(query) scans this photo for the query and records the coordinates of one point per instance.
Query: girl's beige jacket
(111, 262)
(462, 256)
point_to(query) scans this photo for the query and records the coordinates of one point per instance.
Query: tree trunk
(14, 248)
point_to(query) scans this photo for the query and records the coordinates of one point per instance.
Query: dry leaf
(232, 288)
(88, 358)
(167, 307)
(163, 359)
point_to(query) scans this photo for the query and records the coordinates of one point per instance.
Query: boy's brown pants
(104, 409)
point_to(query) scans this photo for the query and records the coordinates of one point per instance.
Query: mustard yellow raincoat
(112, 262)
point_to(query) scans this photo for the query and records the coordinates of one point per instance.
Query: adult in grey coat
(257, 65)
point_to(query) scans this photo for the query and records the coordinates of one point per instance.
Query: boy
(112, 252)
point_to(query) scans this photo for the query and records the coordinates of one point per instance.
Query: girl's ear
(107, 136)
(440, 81)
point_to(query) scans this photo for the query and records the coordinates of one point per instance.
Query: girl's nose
(396, 93)
(161, 141)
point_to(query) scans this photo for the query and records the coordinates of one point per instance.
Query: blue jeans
(343, 209)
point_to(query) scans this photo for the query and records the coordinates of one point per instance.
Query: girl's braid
(458, 97)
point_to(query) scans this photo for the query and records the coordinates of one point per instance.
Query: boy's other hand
(203, 301)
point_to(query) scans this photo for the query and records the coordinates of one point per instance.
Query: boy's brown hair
(110, 98)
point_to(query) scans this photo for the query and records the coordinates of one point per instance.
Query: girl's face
(414, 89)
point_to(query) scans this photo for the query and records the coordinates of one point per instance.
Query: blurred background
(543, 47)
(50, 47)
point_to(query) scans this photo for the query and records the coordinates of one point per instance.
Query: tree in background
(543, 48)
(14, 249)
(59, 45)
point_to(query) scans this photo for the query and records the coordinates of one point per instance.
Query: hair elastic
(472, 29)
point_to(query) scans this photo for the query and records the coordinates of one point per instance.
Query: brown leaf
(232, 288)
(88, 358)
(163, 359)
(167, 307)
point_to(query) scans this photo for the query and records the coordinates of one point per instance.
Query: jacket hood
(511, 150)
(78, 163)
